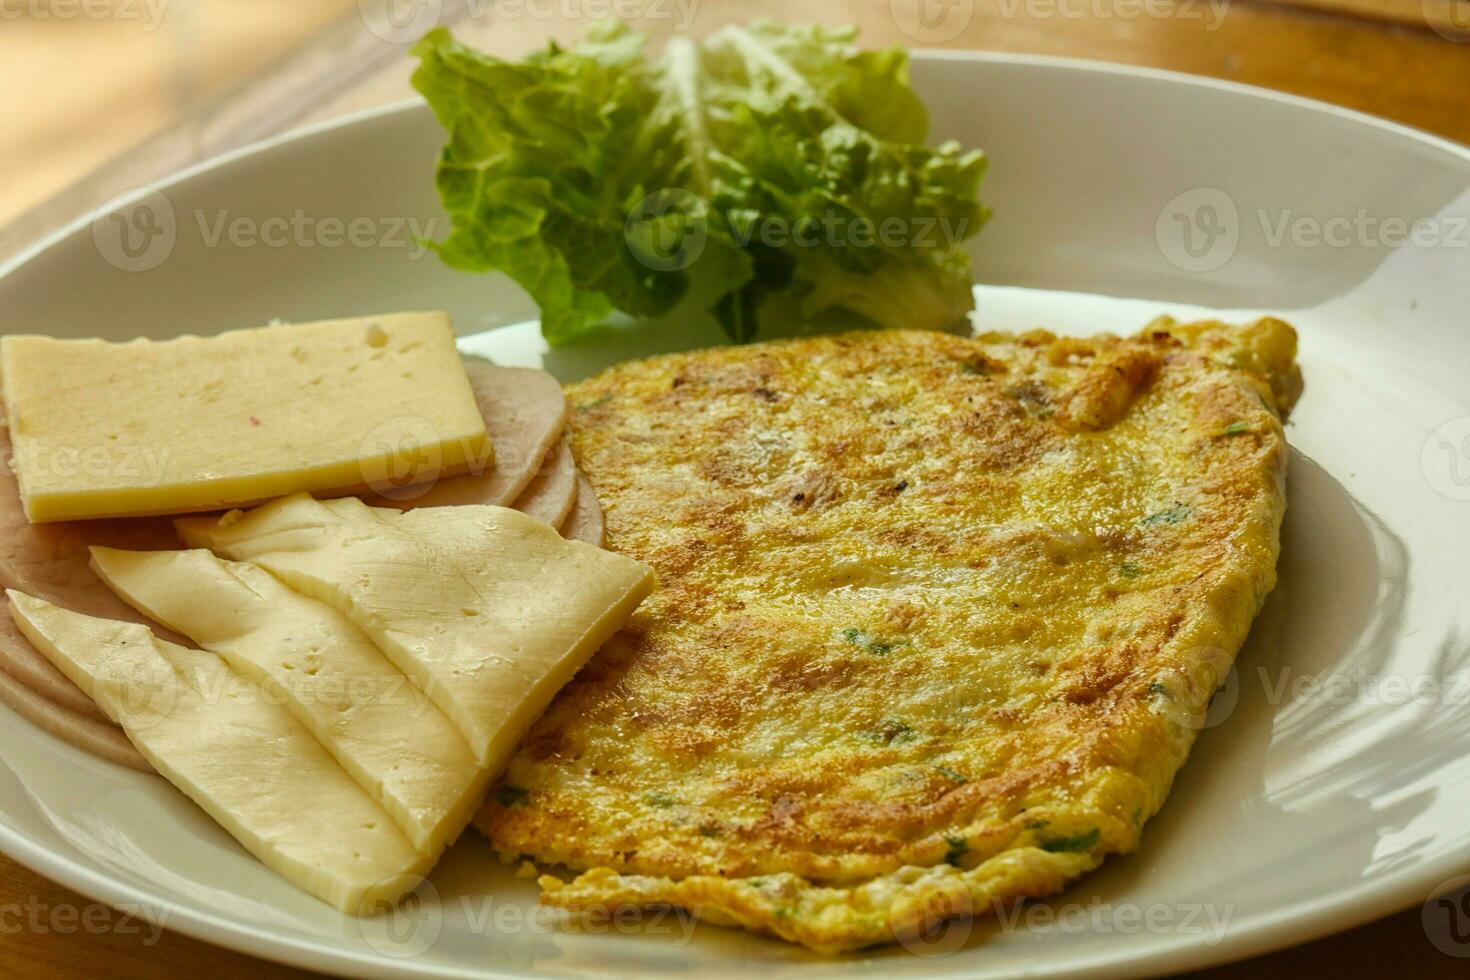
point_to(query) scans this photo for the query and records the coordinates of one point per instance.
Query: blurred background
(104, 95)
(101, 96)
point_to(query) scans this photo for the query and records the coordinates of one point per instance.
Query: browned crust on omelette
(925, 602)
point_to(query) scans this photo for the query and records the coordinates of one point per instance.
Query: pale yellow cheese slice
(244, 759)
(204, 423)
(488, 610)
(374, 721)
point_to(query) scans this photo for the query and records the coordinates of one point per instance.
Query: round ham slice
(525, 413)
(585, 521)
(25, 664)
(100, 738)
(552, 494)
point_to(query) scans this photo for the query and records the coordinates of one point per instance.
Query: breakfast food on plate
(487, 610)
(202, 423)
(245, 760)
(937, 618)
(523, 410)
(552, 495)
(584, 523)
(303, 715)
(363, 710)
(524, 413)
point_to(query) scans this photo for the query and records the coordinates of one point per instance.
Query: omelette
(937, 619)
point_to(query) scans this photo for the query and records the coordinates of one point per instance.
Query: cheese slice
(203, 423)
(378, 726)
(488, 610)
(245, 760)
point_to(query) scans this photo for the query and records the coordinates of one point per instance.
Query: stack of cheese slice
(524, 413)
(368, 671)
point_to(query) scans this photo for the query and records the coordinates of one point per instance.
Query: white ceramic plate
(1337, 787)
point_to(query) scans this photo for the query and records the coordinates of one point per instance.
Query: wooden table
(1381, 56)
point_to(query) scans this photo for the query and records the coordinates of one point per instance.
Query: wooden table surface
(1403, 59)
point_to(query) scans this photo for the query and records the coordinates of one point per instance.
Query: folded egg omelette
(937, 619)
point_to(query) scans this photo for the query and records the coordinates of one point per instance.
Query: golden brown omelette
(936, 622)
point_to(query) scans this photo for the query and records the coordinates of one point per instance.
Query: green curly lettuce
(768, 176)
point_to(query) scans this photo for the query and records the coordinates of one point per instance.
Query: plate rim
(1262, 933)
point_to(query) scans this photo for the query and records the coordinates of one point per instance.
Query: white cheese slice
(245, 760)
(374, 721)
(203, 423)
(488, 610)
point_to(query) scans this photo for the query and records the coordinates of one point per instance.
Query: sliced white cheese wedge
(246, 761)
(488, 610)
(373, 720)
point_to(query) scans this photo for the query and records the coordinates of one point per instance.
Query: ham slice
(585, 521)
(552, 494)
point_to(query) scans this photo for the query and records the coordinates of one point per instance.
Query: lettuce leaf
(769, 176)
